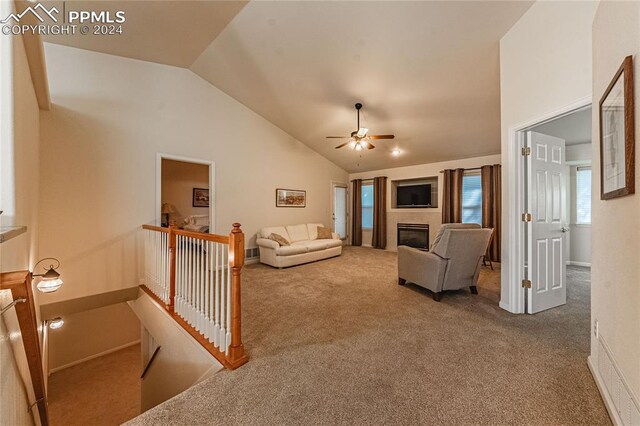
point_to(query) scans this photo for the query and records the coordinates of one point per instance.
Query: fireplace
(414, 235)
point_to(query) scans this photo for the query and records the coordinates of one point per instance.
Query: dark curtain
(452, 196)
(379, 239)
(492, 207)
(356, 213)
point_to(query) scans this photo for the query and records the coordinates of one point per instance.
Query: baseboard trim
(252, 261)
(574, 263)
(98, 355)
(608, 402)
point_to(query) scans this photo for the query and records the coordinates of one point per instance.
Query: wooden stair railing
(196, 278)
(19, 283)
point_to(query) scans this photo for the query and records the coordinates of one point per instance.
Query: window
(472, 198)
(367, 206)
(583, 196)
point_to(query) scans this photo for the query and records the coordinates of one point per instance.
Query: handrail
(222, 239)
(223, 341)
(156, 228)
(153, 357)
(19, 283)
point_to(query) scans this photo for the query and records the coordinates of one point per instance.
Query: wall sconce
(50, 280)
(55, 323)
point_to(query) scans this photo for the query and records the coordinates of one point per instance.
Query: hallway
(101, 392)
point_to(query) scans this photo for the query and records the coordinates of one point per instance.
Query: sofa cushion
(332, 243)
(282, 241)
(324, 233)
(297, 233)
(314, 245)
(312, 228)
(265, 232)
(291, 250)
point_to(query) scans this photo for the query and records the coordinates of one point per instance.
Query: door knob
(564, 229)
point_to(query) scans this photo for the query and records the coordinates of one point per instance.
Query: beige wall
(178, 180)
(615, 280)
(545, 65)
(19, 128)
(14, 400)
(91, 333)
(19, 151)
(110, 118)
(433, 216)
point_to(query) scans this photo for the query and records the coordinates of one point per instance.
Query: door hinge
(526, 283)
(526, 151)
(526, 217)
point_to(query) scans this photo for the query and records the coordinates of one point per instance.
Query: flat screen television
(413, 196)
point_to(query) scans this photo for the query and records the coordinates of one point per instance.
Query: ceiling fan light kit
(359, 140)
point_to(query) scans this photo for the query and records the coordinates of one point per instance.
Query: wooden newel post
(172, 268)
(236, 356)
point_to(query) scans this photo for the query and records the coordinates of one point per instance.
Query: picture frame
(617, 138)
(291, 198)
(200, 197)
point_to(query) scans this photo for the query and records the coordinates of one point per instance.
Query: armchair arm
(266, 243)
(423, 268)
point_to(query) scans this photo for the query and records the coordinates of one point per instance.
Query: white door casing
(546, 196)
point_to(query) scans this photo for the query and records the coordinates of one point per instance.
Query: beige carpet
(102, 391)
(339, 342)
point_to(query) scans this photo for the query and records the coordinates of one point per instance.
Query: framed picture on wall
(200, 197)
(617, 139)
(291, 198)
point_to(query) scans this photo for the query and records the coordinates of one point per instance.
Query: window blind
(583, 195)
(367, 206)
(472, 198)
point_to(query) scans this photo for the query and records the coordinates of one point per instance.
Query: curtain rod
(472, 168)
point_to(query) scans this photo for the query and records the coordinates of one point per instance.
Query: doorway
(339, 196)
(556, 196)
(185, 195)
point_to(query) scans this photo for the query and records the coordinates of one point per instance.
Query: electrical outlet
(596, 331)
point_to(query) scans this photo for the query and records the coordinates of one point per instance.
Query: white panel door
(340, 210)
(547, 192)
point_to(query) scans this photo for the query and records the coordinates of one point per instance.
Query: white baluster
(223, 325)
(205, 322)
(217, 298)
(228, 336)
(212, 276)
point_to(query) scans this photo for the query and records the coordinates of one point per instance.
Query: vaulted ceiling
(426, 71)
(171, 32)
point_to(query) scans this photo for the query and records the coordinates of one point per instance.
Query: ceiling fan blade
(337, 137)
(370, 145)
(362, 132)
(382, 136)
(341, 145)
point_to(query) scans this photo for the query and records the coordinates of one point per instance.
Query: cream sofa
(305, 246)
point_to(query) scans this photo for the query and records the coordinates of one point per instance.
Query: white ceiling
(574, 128)
(426, 71)
(171, 32)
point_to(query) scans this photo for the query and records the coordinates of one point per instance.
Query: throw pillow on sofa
(324, 233)
(279, 239)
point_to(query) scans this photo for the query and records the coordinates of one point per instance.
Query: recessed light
(56, 323)
(395, 152)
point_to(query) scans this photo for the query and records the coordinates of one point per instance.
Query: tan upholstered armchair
(452, 263)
